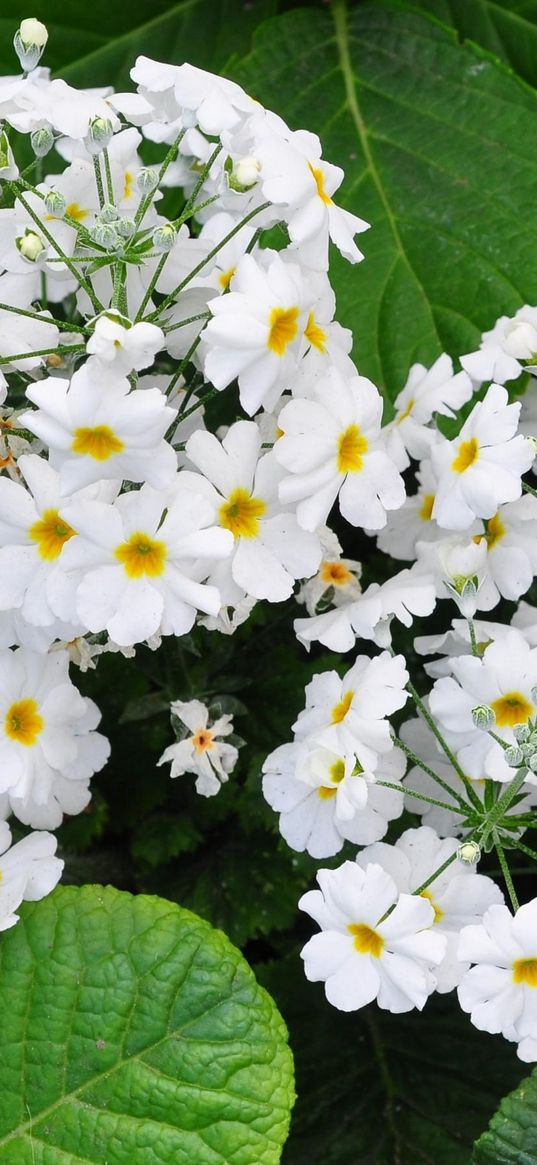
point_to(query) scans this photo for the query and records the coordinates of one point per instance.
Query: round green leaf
(133, 1032)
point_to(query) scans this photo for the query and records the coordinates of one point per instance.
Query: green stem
(448, 862)
(526, 849)
(204, 315)
(187, 211)
(426, 769)
(529, 489)
(32, 315)
(170, 157)
(444, 745)
(473, 637)
(98, 180)
(502, 804)
(152, 284)
(60, 350)
(108, 175)
(97, 306)
(420, 796)
(506, 873)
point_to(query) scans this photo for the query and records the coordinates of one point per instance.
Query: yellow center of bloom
(494, 532)
(525, 971)
(283, 328)
(128, 185)
(225, 278)
(337, 773)
(403, 416)
(511, 709)
(351, 448)
(339, 711)
(438, 912)
(319, 182)
(467, 455)
(315, 334)
(142, 555)
(23, 722)
(366, 940)
(77, 212)
(335, 574)
(99, 442)
(203, 740)
(50, 533)
(241, 513)
(426, 508)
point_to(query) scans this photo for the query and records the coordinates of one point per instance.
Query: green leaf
(381, 1089)
(133, 1033)
(439, 145)
(507, 28)
(511, 1138)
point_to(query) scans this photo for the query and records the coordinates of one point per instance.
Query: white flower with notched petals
(426, 392)
(337, 579)
(408, 593)
(119, 346)
(201, 750)
(374, 943)
(332, 446)
(503, 351)
(28, 871)
(413, 522)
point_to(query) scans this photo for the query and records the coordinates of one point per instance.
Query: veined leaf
(511, 1138)
(507, 28)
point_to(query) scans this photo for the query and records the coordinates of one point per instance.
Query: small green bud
(55, 203)
(29, 42)
(532, 763)
(42, 141)
(469, 853)
(147, 179)
(105, 235)
(521, 733)
(514, 756)
(125, 227)
(108, 213)
(164, 237)
(483, 717)
(30, 245)
(100, 134)
(243, 175)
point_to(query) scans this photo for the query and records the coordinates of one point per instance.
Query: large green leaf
(439, 144)
(133, 1033)
(380, 1089)
(507, 28)
(512, 1136)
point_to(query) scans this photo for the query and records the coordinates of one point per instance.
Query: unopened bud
(125, 227)
(164, 237)
(29, 42)
(8, 165)
(100, 134)
(514, 756)
(532, 763)
(483, 717)
(42, 141)
(147, 179)
(108, 213)
(55, 203)
(469, 853)
(105, 235)
(244, 174)
(30, 245)
(521, 733)
(464, 590)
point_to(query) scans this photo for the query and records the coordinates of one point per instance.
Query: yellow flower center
(241, 513)
(426, 508)
(225, 278)
(99, 442)
(467, 455)
(339, 711)
(50, 533)
(494, 532)
(511, 709)
(403, 416)
(319, 182)
(128, 185)
(315, 334)
(283, 328)
(438, 913)
(142, 555)
(202, 740)
(23, 722)
(335, 574)
(73, 210)
(525, 971)
(351, 448)
(366, 940)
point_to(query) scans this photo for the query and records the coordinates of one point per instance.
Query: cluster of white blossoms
(124, 519)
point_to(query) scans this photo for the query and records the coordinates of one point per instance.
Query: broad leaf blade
(132, 1032)
(511, 1138)
(439, 145)
(507, 28)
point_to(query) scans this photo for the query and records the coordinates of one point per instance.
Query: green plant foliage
(438, 143)
(380, 1089)
(511, 1138)
(132, 1032)
(507, 28)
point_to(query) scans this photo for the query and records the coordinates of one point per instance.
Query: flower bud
(8, 165)
(469, 853)
(100, 134)
(532, 763)
(125, 227)
(29, 42)
(464, 590)
(42, 141)
(147, 179)
(30, 245)
(483, 717)
(55, 203)
(244, 174)
(108, 213)
(105, 235)
(521, 733)
(514, 756)
(164, 237)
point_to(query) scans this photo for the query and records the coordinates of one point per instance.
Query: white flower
(337, 578)
(482, 468)
(48, 749)
(499, 990)
(510, 537)
(121, 348)
(332, 445)
(174, 91)
(97, 428)
(426, 392)
(459, 895)
(412, 522)
(505, 348)
(138, 564)
(201, 751)
(28, 871)
(368, 617)
(271, 550)
(18, 334)
(358, 956)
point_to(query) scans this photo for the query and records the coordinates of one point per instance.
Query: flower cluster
(124, 519)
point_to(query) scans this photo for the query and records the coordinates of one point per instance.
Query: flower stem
(426, 769)
(422, 708)
(506, 873)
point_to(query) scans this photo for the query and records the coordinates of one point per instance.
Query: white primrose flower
(28, 871)
(426, 392)
(257, 330)
(456, 641)
(48, 749)
(192, 95)
(136, 567)
(459, 895)
(337, 578)
(325, 798)
(499, 990)
(510, 537)
(271, 550)
(412, 523)
(482, 468)
(201, 751)
(98, 428)
(349, 714)
(407, 594)
(374, 943)
(503, 351)
(503, 679)
(57, 105)
(458, 565)
(119, 346)
(18, 334)
(332, 446)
